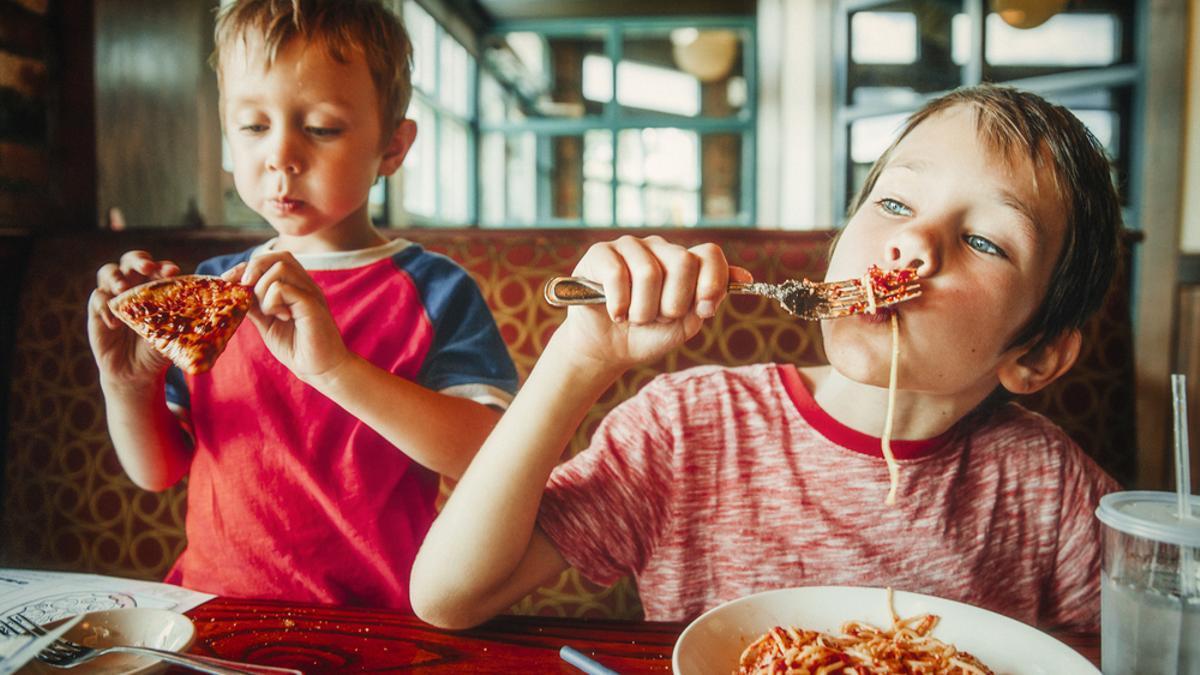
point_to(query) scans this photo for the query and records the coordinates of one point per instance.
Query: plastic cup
(1149, 597)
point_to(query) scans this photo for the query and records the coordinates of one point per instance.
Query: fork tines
(58, 651)
(852, 296)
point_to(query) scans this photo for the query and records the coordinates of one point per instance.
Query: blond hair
(339, 26)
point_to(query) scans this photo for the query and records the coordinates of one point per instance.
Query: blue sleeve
(177, 391)
(467, 348)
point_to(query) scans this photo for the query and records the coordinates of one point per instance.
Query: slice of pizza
(188, 318)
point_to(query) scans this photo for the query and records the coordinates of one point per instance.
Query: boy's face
(984, 237)
(305, 137)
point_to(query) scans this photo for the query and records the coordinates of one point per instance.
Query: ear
(1027, 371)
(397, 147)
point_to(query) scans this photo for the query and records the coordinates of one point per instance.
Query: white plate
(138, 626)
(714, 642)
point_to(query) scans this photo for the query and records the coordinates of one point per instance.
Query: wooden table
(318, 639)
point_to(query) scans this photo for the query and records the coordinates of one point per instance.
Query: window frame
(614, 121)
(395, 213)
(1110, 78)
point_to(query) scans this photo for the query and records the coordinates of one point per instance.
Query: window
(893, 55)
(622, 122)
(435, 185)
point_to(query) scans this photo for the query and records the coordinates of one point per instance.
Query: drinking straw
(1183, 481)
(1183, 471)
(579, 660)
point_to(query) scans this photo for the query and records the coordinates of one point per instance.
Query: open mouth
(881, 315)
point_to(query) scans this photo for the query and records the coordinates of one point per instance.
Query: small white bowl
(714, 642)
(135, 626)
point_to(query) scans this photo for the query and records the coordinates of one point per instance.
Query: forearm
(479, 547)
(151, 445)
(439, 432)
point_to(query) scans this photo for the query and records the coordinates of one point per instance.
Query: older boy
(359, 346)
(718, 482)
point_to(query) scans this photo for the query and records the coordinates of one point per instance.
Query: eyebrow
(915, 165)
(1032, 225)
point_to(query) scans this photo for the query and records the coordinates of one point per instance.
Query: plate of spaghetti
(837, 630)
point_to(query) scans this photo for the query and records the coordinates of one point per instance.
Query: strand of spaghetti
(869, 289)
(886, 439)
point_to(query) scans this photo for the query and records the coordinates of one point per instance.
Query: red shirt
(715, 483)
(290, 496)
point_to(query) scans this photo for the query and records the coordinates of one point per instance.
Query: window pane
(574, 159)
(454, 173)
(685, 71)
(902, 46)
(420, 196)
(508, 179)
(660, 177)
(900, 29)
(721, 166)
(455, 78)
(1095, 34)
(549, 71)
(422, 30)
(869, 137)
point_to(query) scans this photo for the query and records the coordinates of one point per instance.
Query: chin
(860, 365)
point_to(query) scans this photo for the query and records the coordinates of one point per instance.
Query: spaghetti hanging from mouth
(885, 440)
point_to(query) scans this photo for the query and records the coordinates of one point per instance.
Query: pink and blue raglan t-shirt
(289, 495)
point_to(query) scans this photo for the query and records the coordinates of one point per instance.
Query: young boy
(368, 366)
(717, 482)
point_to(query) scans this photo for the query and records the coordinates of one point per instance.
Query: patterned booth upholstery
(67, 504)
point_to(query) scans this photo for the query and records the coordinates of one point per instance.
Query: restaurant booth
(110, 142)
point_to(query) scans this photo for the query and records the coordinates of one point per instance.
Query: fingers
(651, 279)
(134, 267)
(279, 282)
(98, 307)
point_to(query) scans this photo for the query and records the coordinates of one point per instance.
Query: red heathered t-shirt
(715, 483)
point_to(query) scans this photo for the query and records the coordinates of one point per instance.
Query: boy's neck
(334, 239)
(863, 407)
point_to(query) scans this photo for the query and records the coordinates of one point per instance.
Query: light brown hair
(339, 26)
(1010, 120)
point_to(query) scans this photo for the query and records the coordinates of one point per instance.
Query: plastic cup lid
(1150, 515)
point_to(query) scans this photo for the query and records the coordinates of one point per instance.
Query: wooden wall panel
(24, 185)
(155, 110)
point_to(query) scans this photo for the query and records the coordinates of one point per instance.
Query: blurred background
(628, 114)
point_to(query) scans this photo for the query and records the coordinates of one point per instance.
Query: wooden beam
(1159, 214)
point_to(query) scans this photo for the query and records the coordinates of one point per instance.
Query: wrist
(564, 356)
(331, 379)
(133, 387)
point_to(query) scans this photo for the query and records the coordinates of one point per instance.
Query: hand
(123, 357)
(657, 296)
(291, 314)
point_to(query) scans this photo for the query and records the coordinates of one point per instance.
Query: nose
(284, 154)
(917, 246)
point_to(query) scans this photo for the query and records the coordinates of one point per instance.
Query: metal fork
(63, 653)
(806, 299)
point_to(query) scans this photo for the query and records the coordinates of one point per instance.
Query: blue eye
(893, 207)
(983, 245)
(253, 128)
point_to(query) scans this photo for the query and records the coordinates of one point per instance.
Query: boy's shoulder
(223, 263)
(1022, 438)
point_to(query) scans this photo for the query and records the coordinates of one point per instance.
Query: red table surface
(321, 639)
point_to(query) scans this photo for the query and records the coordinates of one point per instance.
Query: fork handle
(566, 291)
(204, 664)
